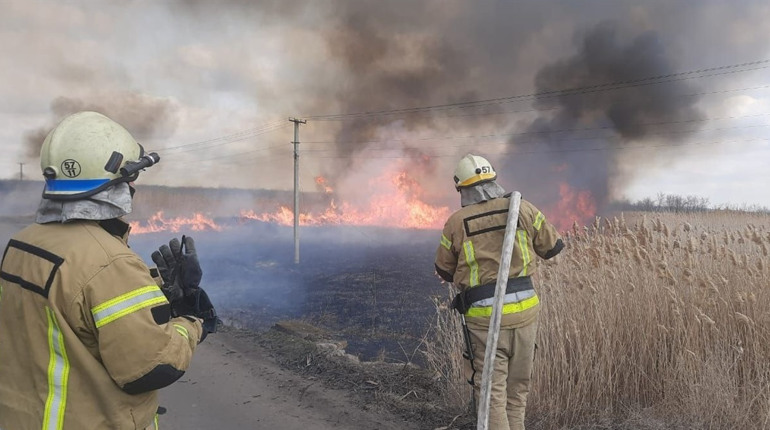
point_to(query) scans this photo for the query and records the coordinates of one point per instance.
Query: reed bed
(652, 322)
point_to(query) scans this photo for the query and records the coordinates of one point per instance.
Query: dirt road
(233, 385)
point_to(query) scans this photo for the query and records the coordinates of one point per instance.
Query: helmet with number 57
(473, 170)
(88, 152)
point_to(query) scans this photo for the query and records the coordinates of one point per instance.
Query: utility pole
(296, 122)
(21, 171)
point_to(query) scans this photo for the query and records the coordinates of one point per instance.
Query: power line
(237, 158)
(224, 140)
(276, 125)
(550, 132)
(562, 150)
(241, 160)
(552, 108)
(232, 159)
(652, 80)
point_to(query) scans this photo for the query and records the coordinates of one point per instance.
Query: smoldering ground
(371, 286)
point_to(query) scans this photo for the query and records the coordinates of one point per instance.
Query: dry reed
(655, 323)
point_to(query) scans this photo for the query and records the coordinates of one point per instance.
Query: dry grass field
(650, 321)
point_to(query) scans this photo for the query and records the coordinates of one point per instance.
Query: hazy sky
(210, 85)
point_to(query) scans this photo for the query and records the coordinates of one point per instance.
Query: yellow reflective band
(446, 243)
(181, 330)
(156, 422)
(470, 258)
(539, 221)
(523, 245)
(58, 375)
(509, 308)
(126, 304)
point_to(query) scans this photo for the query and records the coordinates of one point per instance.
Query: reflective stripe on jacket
(85, 333)
(471, 244)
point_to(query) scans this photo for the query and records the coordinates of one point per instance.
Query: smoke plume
(233, 65)
(142, 115)
(587, 123)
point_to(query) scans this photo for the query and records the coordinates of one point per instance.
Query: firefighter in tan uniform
(87, 336)
(469, 256)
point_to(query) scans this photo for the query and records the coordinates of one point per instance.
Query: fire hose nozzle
(133, 167)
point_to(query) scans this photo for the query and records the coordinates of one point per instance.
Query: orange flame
(323, 184)
(157, 223)
(574, 205)
(400, 206)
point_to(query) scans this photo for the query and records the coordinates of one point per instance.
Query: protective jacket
(469, 256)
(86, 337)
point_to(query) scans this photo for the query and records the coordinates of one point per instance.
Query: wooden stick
(497, 310)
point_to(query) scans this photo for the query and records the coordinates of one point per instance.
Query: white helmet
(88, 152)
(473, 170)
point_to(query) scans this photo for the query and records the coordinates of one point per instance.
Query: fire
(157, 223)
(574, 205)
(401, 206)
(323, 184)
(399, 203)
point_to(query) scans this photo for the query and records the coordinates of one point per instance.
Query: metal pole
(21, 171)
(497, 311)
(296, 122)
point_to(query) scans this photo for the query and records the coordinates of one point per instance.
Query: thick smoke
(575, 140)
(586, 124)
(237, 63)
(633, 110)
(144, 116)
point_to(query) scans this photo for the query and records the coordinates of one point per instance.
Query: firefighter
(87, 336)
(469, 257)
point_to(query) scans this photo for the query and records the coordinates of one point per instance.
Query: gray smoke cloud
(601, 59)
(209, 69)
(144, 116)
(585, 123)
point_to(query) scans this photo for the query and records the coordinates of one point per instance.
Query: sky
(618, 99)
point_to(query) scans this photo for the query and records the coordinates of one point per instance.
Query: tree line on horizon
(676, 203)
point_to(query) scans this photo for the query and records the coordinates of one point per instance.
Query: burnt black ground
(371, 286)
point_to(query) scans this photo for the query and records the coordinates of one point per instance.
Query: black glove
(181, 272)
(179, 268)
(198, 304)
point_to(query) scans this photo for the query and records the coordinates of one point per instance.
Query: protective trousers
(512, 373)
